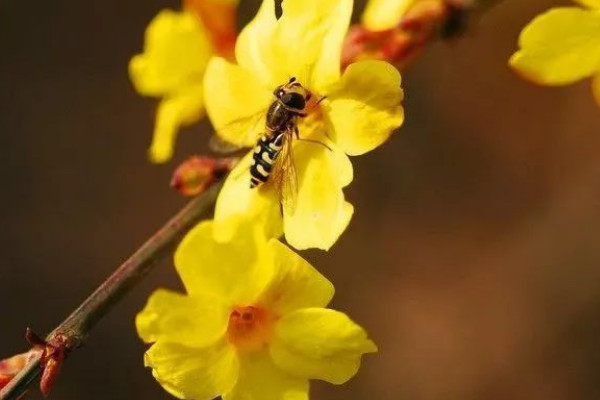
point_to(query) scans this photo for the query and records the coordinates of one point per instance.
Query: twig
(73, 331)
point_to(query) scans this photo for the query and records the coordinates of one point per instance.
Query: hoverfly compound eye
(294, 100)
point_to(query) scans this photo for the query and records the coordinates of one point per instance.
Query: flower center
(249, 328)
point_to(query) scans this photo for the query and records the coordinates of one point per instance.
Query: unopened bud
(398, 45)
(423, 16)
(53, 356)
(52, 361)
(196, 174)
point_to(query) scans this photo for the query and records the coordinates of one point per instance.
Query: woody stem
(73, 331)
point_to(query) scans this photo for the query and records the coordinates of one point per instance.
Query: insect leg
(320, 100)
(313, 106)
(316, 142)
(296, 132)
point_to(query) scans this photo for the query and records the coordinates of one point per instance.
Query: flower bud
(399, 44)
(197, 173)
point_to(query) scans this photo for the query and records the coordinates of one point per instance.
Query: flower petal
(191, 373)
(559, 47)
(177, 110)
(365, 106)
(232, 271)
(295, 283)
(589, 3)
(174, 317)
(176, 52)
(237, 200)
(321, 214)
(596, 88)
(260, 379)
(219, 20)
(254, 50)
(319, 343)
(380, 15)
(306, 42)
(235, 102)
(309, 39)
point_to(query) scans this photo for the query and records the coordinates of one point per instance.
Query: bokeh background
(473, 258)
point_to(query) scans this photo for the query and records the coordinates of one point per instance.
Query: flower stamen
(249, 328)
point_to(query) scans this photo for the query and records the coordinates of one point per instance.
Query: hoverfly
(272, 159)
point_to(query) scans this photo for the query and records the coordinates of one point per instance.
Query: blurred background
(473, 259)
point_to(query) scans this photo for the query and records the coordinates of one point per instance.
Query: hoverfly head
(293, 95)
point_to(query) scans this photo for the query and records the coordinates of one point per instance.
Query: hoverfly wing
(247, 129)
(284, 176)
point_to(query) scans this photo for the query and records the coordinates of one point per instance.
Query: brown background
(473, 257)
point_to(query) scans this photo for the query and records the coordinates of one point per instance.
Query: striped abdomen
(265, 153)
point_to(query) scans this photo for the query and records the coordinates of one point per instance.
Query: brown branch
(73, 331)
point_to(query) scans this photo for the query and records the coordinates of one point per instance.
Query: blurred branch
(73, 331)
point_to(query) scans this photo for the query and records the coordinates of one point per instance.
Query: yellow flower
(562, 46)
(252, 326)
(362, 108)
(380, 15)
(176, 52)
